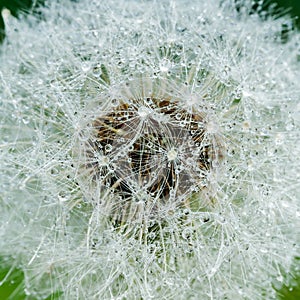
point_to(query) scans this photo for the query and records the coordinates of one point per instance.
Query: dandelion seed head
(149, 149)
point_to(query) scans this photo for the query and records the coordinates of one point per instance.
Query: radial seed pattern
(152, 153)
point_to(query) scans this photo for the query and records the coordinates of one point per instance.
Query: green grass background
(12, 285)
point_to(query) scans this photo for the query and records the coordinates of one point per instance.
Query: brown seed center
(152, 153)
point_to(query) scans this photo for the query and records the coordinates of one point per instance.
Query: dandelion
(150, 150)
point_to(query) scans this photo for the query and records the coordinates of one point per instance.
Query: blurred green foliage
(11, 283)
(16, 7)
(292, 7)
(291, 289)
(12, 286)
(12, 280)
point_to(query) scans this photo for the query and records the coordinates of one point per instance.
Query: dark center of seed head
(152, 153)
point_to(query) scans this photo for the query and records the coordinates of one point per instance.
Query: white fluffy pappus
(149, 150)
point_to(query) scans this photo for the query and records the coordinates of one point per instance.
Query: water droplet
(115, 102)
(172, 154)
(279, 139)
(186, 234)
(143, 112)
(97, 71)
(108, 148)
(25, 120)
(178, 116)
(289, 126)
(54, 172)
(62, 196)
(85, 67)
